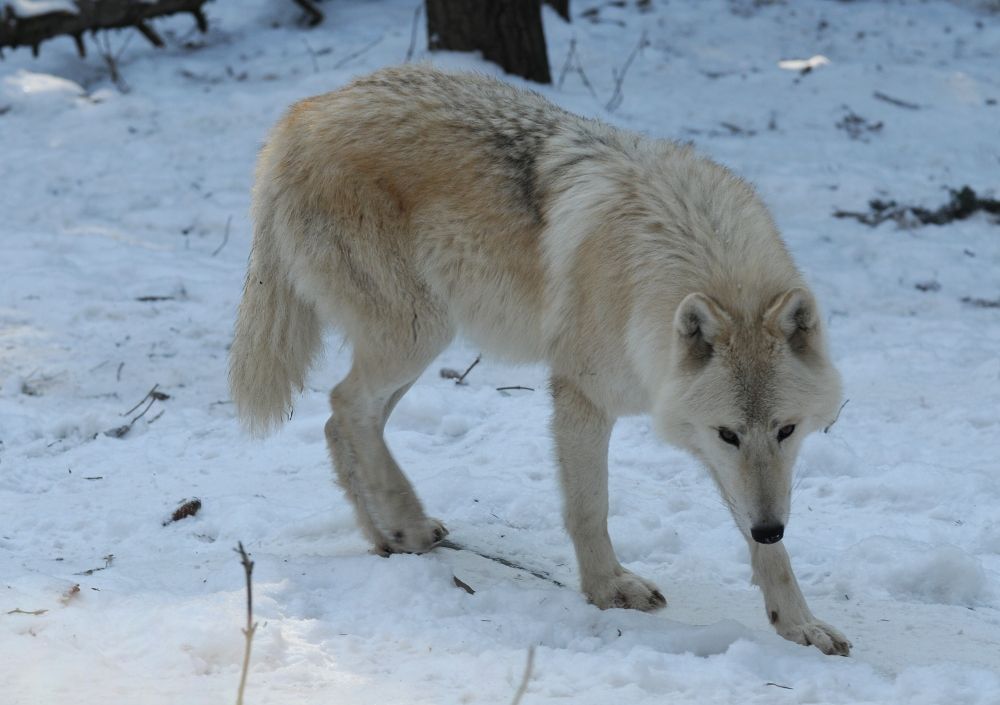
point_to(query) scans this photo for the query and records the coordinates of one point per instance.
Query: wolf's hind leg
(582, 433)
(786, 607)
(387, 507)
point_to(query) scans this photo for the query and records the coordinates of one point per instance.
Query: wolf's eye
(729, 437)
(785, 431)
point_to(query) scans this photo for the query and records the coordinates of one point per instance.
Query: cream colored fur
(413, 205)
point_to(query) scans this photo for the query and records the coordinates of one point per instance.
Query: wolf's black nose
(767, 533)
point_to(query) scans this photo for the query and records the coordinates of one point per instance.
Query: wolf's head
(745, 391)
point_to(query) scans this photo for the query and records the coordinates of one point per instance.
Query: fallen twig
(515, 386)
(981, 303)
(963, 203)
(33, 613)
(449, 373)
(251, 627)
(108, 560)
(737, 130)
(541, 575)
(879, 95)
(778, 685)
(459, 583)
(461, 379)
(856, 126)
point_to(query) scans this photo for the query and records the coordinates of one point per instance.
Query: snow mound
(27, 88)
(33, 8)
(910, 570)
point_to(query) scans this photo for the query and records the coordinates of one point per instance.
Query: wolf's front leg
(786, 607)
(582, 432)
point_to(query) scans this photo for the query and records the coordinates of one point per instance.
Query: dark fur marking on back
(517, 146)
(562, 168)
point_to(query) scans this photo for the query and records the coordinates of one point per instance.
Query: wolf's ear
(793, 316)
(699, 322)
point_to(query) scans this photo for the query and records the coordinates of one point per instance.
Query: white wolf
(414, 204)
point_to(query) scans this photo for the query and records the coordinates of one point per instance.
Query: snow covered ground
(123, 240)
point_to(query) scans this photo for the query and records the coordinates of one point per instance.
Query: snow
(31, 8)
(109, 197)
(28, 90)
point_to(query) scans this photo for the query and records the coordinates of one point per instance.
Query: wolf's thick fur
(415, 204)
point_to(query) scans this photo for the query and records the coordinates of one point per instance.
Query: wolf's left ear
(794, 316)
(699, 322)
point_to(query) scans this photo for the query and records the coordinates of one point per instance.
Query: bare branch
(618, 95)
(569, 57)
(837, 417)
(314, 13)
(150, 34)
(111, 58)
(151, 393)
(413, 33)
(251, 627)
(359, 52)
(528, 668)
(573, 63)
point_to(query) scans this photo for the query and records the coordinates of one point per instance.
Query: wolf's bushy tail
(277, 336)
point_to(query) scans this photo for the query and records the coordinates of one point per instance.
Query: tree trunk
(507, 32)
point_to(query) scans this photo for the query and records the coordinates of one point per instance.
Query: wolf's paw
(819, 634)
(419, 538)
(626, 590)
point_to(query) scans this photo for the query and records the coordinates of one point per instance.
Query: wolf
(414, 204)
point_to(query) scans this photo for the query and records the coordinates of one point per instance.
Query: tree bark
(507, 32)
(92, 15)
